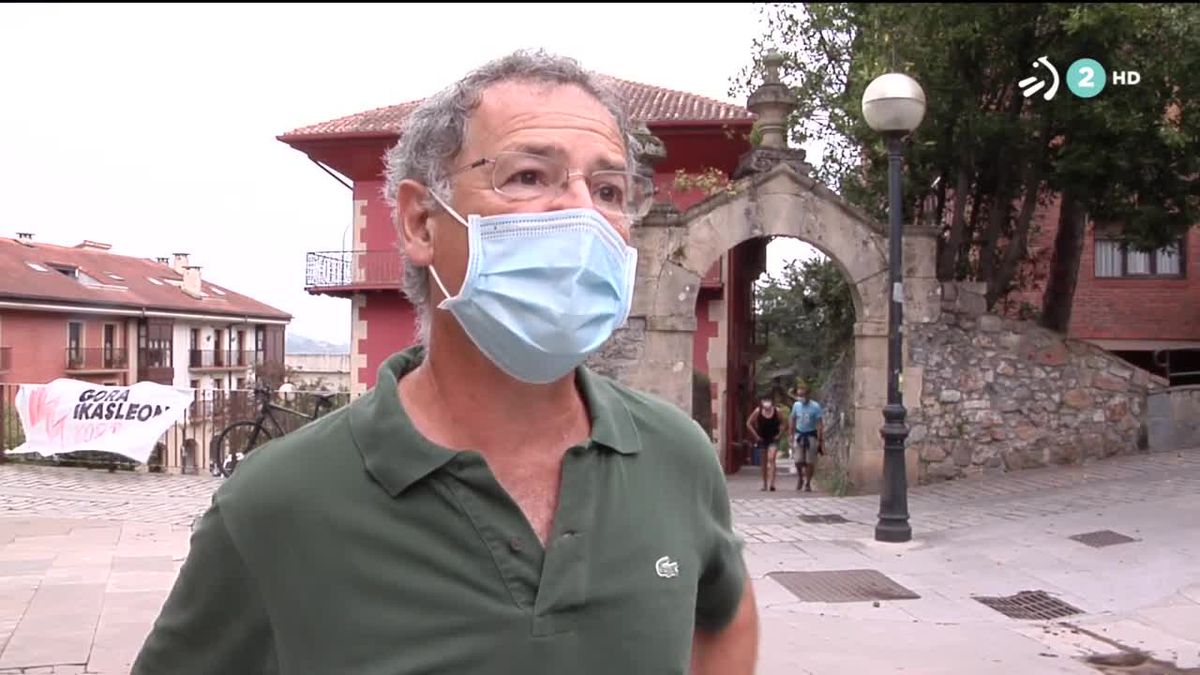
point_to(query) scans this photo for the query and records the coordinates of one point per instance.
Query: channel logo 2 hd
(1085, 78)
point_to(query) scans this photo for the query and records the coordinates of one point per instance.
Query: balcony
(343, 273)
(219, 359)
(96, 359)
(5, 359)
(154, 365)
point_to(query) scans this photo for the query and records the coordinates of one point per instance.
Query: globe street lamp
(894, 105)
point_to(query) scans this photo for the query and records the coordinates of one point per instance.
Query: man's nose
(576, 194)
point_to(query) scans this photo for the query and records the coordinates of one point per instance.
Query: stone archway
(773, 194)
(655, 351)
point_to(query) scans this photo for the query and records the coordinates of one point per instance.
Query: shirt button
(515, 544)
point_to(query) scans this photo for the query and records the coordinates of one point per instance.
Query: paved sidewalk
(991, 537)
(87, 557)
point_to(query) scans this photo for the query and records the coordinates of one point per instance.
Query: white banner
(70, 415)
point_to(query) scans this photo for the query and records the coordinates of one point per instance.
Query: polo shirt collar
(396, 454)
(612, 423)
(392, 449)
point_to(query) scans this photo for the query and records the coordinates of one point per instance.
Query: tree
(985, 156)
(1131, 158)
(807, 316)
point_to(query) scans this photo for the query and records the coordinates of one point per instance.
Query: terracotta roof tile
(643, 102)
(121, 281)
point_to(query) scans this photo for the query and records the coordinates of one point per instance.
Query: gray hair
(433, 135)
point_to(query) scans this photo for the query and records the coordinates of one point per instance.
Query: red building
(1143, 306)
(698, 134)
(85, 313)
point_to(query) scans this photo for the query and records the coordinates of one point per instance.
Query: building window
(1114, 260)
(241, 383)
(111, 359)
(75, 342)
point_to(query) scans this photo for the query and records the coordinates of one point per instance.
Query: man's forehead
(511, 107)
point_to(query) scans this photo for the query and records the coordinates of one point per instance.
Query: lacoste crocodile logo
(665, 568)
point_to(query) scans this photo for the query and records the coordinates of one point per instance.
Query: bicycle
(237, 440)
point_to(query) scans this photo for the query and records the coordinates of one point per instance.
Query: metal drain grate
(1030, 605)
(824, 519)
(1102, 538)
(842, 586)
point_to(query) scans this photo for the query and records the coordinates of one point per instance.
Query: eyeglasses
(523, 177)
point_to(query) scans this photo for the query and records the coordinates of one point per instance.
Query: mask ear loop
(446, 296)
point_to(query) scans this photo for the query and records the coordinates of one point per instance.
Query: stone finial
(772, 102)
(651, 150)
(771, 61)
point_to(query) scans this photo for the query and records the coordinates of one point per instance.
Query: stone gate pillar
(922, 304)
(653, 352)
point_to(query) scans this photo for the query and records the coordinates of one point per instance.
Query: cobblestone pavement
(126, 496)
(951, 505)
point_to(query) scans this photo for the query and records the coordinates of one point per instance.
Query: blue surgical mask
(542, 291)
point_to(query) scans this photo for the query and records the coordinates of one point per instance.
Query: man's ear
(412, 222)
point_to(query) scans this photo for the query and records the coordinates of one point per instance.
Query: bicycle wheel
(233, 444)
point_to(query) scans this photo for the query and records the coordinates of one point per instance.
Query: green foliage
(808, 317)
(834, 478)
(709, 180)
(11, 433)
(985, 157)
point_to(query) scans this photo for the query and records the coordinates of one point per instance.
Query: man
(765, 425)
(808, 436)
(491, 506)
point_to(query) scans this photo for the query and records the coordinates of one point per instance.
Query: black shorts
(767, 442)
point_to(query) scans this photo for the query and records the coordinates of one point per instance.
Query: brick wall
(1121, 308)
(1125, 308)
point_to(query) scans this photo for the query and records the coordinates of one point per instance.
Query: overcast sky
(152, 128)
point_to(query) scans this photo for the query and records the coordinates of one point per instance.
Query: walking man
(492, 505)
(808, 435)
(765, 424)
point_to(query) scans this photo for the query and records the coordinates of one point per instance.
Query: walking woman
(765, 424)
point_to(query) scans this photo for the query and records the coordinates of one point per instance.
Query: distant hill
(298, 344)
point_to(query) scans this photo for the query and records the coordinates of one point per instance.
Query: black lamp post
(894, 105)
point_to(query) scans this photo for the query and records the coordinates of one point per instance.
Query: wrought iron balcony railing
(362, 269)
(96, 358)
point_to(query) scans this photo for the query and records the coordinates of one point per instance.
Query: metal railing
(343, 269)
(184, 448)
(96, 358)
(220, 358)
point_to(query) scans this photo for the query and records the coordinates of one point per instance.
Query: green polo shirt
(354, 546)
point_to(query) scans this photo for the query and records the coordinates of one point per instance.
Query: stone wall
(1173, 418)
(619, 356)
(837, 400)
(1000, 394)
